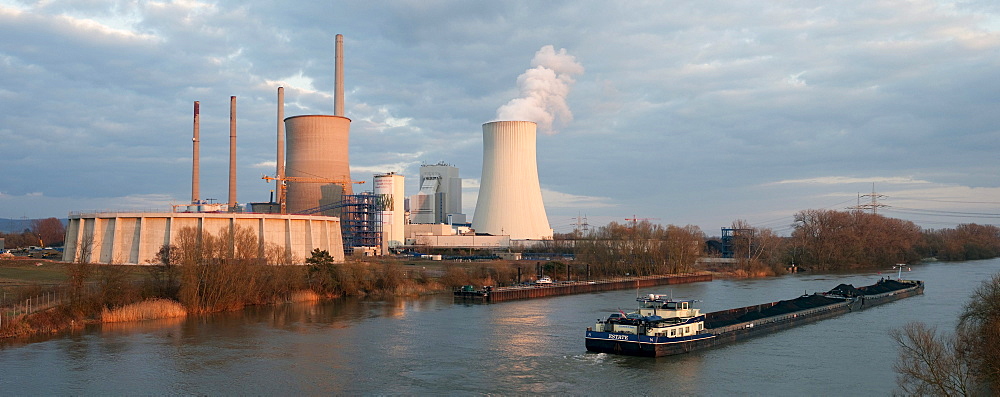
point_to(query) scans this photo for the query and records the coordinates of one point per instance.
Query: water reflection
(429, 345)
(170, 326)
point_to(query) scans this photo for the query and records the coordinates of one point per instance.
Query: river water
(431, 345)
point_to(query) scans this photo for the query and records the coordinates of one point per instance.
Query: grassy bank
(112, 293)
(21, 271)
(82, 294)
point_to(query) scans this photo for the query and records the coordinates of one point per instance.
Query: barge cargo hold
(663, 326)
(501, 294)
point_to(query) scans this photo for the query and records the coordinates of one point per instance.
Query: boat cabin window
(670, 305)
(684, 305)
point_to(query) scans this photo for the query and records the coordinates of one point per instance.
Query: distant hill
(14, 225)
(18, 225)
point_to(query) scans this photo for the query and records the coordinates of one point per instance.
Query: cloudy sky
(685, 112)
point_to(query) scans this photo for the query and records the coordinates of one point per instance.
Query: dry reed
(145, 310)
(307, 295)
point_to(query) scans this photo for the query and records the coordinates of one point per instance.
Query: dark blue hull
(641, 345)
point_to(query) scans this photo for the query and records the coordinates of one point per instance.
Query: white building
(440, 197)
(390, 187)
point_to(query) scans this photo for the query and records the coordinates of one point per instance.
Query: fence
(13, 308)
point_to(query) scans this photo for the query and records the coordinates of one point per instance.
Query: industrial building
(316, 170)
(318, 180)
(440, 197)
(315, 205)
(136, 238)
(317, 161)
(510, 197)
(446, 236)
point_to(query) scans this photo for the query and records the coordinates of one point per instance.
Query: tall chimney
(232, 153)
(196, 157)
(338, 81)
(281, 150)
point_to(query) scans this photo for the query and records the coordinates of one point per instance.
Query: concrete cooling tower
(510, 198)
(316, 155)
(316, 152)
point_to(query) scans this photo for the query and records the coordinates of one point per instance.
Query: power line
(950, 215)
(948, 201)
(943, 212)
(874, 205)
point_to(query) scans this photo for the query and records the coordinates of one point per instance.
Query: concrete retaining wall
(135, 238)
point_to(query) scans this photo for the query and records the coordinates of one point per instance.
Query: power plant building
(317, 168)
(440, 197)
(313, 170)
(510, 197)
(317, 158)
(136, 238)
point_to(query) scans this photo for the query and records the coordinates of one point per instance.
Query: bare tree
(930, 364)
(85, 248)
(828, 239)
(980, 323)
(966, 363)
(50, 230)
(684, 247)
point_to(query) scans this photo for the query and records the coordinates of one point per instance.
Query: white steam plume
(544, 88)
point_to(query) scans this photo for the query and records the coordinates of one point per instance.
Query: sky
(684, 113)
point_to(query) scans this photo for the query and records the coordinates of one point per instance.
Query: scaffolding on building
(360, 220)
(730, 234)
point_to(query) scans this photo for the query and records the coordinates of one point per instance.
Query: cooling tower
(316, 149)
(510, 198)
(316, 152)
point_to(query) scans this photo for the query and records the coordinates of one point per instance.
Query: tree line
(640, 249)
(47, 232)
(820, 240)
(833, 240)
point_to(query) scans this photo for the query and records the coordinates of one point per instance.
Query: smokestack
(338, 81)
(281, 150)
(232, 153)
(196, 157)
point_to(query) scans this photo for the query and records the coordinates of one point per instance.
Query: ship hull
(648, 346)
(641, 345)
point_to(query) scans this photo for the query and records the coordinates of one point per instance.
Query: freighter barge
(663, 326)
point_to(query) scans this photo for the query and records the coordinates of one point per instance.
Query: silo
(510, 197)
(316, 148)
(389, 187)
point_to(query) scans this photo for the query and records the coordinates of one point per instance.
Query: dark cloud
(685, 112)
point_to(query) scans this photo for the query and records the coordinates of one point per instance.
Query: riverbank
(43, 297)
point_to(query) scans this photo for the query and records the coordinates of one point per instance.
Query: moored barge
(663, 326)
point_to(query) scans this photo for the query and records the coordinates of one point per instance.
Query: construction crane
(283, 187)
(635, 221)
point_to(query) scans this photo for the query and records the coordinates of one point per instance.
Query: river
(430, 345)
